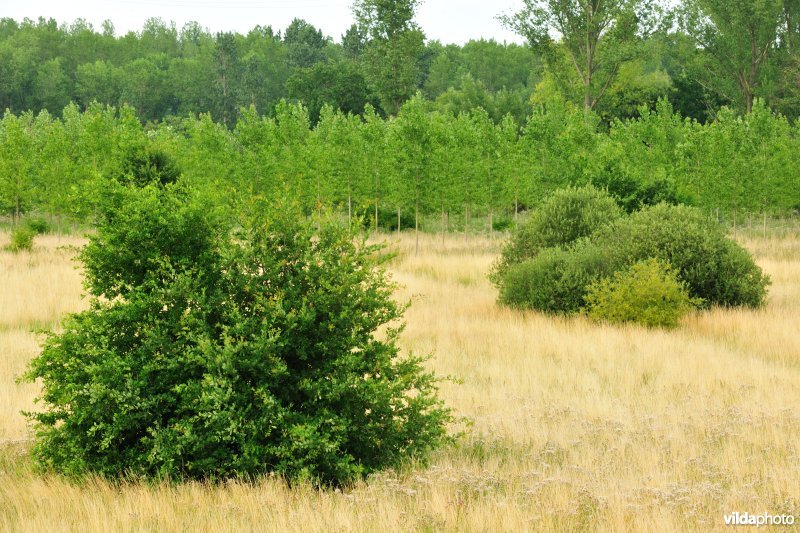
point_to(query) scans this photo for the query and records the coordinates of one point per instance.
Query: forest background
(691, 102)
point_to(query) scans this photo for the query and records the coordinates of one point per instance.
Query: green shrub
(502, 223)
(148, 165)
(555, 281)
(38, 225)
(714, 267)
(220, 355)
(568, 215)
(647, 293)
(21, 239)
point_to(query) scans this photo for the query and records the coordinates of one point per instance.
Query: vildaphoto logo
(747, 519)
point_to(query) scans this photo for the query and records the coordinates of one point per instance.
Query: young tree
(227, 69)
(487, 143)
(305, 44)
(341, 158)
(373, 139)
(394, 47)
(412, 144)
(511, 164)
(16, 164)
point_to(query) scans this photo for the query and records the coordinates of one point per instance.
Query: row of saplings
(579, 253)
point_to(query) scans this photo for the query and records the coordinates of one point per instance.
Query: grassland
(575, 426)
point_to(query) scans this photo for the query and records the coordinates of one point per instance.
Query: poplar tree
(394, 47)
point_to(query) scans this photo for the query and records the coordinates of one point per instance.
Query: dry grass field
(576, 426)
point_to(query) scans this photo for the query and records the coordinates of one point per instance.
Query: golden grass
(576, 426)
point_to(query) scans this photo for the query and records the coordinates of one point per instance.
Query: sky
(445, 20)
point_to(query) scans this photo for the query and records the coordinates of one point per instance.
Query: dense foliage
(210, 352)
(168, 71)
(714, 269)
(554, 281)
(610, 56)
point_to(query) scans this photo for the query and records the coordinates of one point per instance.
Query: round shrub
(555, 281)
(231, 355)
(714, 267)
(647, 293)
(632, 194)
(566, 216)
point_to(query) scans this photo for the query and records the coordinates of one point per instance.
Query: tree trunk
(443, 227)
(416, 227)
(17, 210)
(587, 79)
(466, 220)
(398, 220)
(377, 198)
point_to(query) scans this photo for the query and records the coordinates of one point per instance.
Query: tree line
(423, 168)
(610, 56)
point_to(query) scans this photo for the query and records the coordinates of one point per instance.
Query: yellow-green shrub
(647, 293)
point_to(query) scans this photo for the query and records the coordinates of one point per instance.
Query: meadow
(574, 426)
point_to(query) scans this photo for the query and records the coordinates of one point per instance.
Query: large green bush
(633, 194)
(714, 268)
(647, 293)
(566, 216)
(206, 355)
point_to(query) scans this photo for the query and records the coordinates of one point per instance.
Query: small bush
(568, 215)
(647, 293)
(216, 354)
(21, 239)
(148, 165)
(502, 223)
(632, 194)
(38, 225)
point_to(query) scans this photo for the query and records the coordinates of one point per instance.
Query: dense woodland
(693, 103)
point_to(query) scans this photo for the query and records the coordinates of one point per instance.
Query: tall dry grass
(575, 426)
